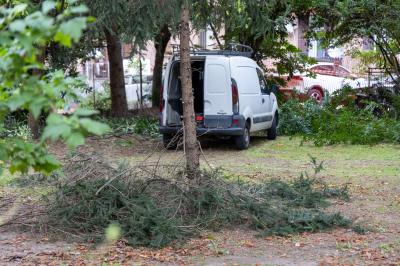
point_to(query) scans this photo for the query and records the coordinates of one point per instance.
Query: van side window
(263, 83)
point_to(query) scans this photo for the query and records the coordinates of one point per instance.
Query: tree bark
(33, 123)
(160, 43)
(119, 105)
(189, 132)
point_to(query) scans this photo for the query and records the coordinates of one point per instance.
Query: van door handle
(263, 100)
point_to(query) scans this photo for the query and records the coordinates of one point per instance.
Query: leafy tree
(345, 21)
(260, 24)
(160, 43)
(165, 24)
(118, 21)
(23, 32)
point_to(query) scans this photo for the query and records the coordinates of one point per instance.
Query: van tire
(169, 142)
(242, 142)
(272, 132)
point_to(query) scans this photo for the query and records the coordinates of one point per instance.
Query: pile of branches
(152, 210)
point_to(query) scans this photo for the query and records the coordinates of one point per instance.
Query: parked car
(231, 98)
(329, 77)
(132, 87)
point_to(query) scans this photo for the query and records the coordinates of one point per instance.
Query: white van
(231, 98)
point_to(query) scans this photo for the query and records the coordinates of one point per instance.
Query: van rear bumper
(220, 125)
(232, 131)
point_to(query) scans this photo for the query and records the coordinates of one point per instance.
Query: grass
(370, 169)
(286, 156)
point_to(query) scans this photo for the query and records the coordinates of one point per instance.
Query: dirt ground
(372, 174)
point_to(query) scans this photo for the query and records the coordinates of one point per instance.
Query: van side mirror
(274, 89)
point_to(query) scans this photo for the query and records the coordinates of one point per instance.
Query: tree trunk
(189, 132)
(160, 43)
(33, 123)
(141, 81)
(119, 105)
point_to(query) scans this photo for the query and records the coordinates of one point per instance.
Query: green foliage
(334, 123)
(146, 126)
(16, 127)
(24, 31)
(157, 212)
(367, 59)
(346, 21)
(101, 101)
(296, 117)
(260, 24)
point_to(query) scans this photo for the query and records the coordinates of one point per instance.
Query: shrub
(142, 125)
(15, 126)
(295, 117)
(335, 123)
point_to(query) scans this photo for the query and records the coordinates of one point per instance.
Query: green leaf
(63, 38)
(94, 127)
(54, 132)
(36, 108)
(70, 30)
(47, 6)
(50, 164)
(74, 140)
(85, 112)
(16, 102)
(54, 119)
(20, 8)
(79, 9)
(18, 26)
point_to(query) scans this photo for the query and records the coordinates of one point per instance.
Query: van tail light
(235, 97)
(199, 118)
(162, 101)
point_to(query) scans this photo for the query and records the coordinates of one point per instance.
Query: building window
(203, 39)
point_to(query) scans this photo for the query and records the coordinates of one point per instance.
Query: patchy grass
(371, 172)
(6, 178)
(288, 155)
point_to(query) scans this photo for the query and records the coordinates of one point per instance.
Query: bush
(101, 101)
(15, 126)
(157, 212)
(334, 123)
(147, 126)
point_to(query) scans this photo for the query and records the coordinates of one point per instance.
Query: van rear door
(217, 92)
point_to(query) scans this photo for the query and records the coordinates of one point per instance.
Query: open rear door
(217, 92)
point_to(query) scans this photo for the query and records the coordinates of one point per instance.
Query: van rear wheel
(242, 142)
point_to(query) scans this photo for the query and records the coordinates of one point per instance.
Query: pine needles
(156, 211)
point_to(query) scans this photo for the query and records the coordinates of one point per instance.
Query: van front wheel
(242, 142)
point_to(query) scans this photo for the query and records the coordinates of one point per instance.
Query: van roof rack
(232, 49)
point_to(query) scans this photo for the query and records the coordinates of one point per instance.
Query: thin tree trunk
(190, 139)
(119, 105)
(33, 123)
(160, 43)
(141, 81)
